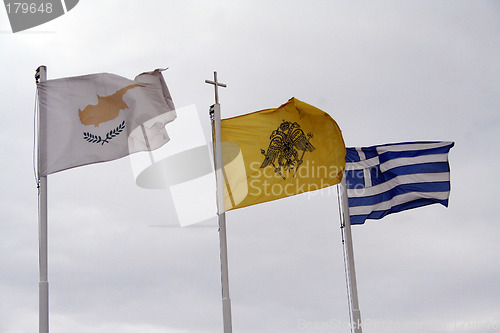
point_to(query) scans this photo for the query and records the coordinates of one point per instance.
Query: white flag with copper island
(101, 117)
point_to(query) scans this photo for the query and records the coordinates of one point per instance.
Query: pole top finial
(41, 73)
(216, 85)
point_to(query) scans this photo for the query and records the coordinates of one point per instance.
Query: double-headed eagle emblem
(287, 148)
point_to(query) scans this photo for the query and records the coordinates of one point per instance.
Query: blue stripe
(417, 168)
(370, 152)
(355, 178)
(384, 157)
(398, 190)
(377, 176)
(351, 155)
(376, 215)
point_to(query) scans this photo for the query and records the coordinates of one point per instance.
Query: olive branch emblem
(93, 138)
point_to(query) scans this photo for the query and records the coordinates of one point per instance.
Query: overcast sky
(386, 71)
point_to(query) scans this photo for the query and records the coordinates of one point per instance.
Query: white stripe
(361, 154)
(403, 161)
(412, 146)
(366, 171)
(397, 200)
(363, 164)
(399, 180)
(368, 177)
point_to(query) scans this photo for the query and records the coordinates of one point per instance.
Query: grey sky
(386, 71)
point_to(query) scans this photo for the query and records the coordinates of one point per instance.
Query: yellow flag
(276, 153)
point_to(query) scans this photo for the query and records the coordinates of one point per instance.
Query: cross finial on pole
(216, 84)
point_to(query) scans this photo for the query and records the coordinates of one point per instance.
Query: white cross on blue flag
(390, 178)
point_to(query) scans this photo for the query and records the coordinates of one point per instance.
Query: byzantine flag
(276, 153)
(390, 178)
(101, 117)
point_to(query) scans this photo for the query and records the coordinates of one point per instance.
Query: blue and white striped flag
(394, 177)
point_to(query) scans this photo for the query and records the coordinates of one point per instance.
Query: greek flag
(394, 177)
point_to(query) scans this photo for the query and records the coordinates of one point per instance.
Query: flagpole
(43, 285)
(352, 289)
(215, 116)
(151, 157)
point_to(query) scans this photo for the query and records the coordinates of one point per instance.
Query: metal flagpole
(43, 286)
(216, 133)
(355, 314)
(151, 157)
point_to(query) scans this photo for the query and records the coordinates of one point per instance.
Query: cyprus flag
(101, 117)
